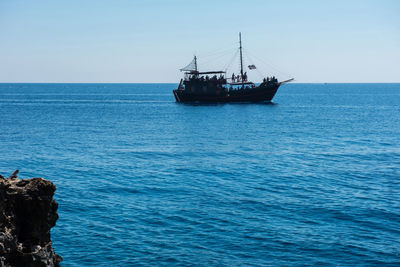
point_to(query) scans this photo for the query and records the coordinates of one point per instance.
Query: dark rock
(27, 213)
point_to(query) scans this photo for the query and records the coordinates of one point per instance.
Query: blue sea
(310, 179)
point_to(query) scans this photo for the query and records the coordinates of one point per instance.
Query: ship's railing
(205, 78)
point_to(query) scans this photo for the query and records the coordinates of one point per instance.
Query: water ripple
(143, 181)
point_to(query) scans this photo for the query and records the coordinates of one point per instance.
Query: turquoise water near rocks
(313, 178)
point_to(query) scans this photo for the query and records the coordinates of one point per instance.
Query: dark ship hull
(262, 93)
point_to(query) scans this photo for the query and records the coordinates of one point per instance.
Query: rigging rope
(218, 51)
(257, 68)
(270, 65)
(219, 54)
(231, 61)
(218, 58)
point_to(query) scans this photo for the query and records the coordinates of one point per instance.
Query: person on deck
(233, 77)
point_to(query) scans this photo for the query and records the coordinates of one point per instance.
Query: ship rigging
(213, 86)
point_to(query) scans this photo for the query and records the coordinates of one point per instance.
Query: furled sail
(192, 66)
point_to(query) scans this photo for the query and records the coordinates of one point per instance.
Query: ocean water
(312, 179)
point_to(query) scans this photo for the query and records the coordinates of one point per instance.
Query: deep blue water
(142, 180)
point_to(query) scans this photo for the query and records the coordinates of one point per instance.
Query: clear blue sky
(148, 40)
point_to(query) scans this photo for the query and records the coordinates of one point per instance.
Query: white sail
(192, 66)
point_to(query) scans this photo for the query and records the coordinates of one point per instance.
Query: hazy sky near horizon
(148, 41)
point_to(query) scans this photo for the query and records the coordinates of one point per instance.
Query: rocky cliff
(27, 213)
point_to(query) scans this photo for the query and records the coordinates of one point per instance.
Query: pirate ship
(214, 86)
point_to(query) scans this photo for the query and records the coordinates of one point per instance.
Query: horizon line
(178, 82)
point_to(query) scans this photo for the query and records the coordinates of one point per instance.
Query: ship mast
(241, 58)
